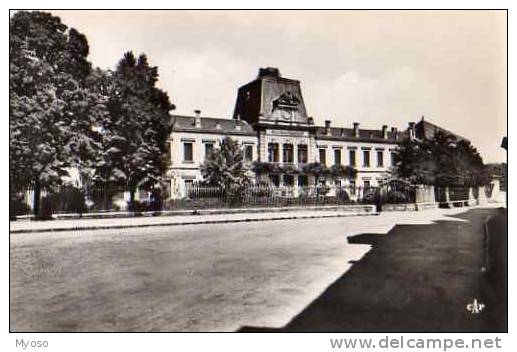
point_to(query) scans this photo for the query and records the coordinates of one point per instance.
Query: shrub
(137, 207)
(322, 190)
(396, 197)
(156, 203)
(17, 207)
(74, 201)
(342, 195)
(45, 212)
(68, 199)
(368, 195)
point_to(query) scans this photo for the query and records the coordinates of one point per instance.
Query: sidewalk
(203, 217)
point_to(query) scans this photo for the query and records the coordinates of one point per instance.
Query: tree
(265, 168)
(442, 160)
(317, 170)
(415, 162)
(340, 171)
(51, 111)
(468, 165)
(135, 134)
(224, 167)
(499, 170)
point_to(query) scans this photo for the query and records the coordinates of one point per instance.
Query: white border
(235, 342)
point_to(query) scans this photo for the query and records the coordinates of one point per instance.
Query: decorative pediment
(287, 101)
(271, 98)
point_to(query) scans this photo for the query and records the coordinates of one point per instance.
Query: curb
(222, 211)
(486, 245)
(202, 222)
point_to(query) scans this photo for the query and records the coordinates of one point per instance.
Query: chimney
(395, 132)
(385, 131)
(411, 129)
(197, 118)
(327, 127)
(269, 72)
(356, 129)
(310, 120)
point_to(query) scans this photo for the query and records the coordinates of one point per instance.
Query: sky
(371, 67)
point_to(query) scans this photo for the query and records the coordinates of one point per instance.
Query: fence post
(482, 196)
(424, 194)
(472, 199)
(431, 194)
(353, 193)
(420, 194)
(496, 189)
(447, 195)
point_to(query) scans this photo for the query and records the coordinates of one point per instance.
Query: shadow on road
(417, 278)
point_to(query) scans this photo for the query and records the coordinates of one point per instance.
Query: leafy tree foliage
(340, 171)
(224, 167)
(316, 169)
(134, 135)
(500, 170)
(51, 109)
(264, 168)
(442, 160)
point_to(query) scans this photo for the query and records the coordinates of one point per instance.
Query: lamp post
(504, 145)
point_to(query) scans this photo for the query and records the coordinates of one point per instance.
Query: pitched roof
(271, 97)
(181, 123)
(365, 135)
(426, 130)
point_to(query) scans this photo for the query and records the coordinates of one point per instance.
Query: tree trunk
(132, 206)
(37, 198)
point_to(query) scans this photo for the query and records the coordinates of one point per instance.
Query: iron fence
(72, 199)
(270, 196)
(452, 194)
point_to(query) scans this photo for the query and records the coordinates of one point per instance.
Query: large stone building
(271, 123)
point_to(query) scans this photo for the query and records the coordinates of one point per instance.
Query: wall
(373, 173)
(180, 170)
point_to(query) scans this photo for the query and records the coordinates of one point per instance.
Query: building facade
(270, 122)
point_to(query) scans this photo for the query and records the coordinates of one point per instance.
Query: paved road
(416, 279)
(217, 277)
